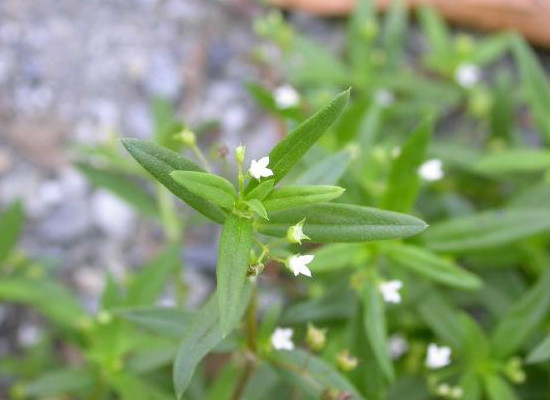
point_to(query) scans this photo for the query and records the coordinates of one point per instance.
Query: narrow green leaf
(541, 353)
(432, 266)
(11, 225)
(514, 161)
(404, 182)
(311, 374)
(146, 286)
(523, 318)
(498, 389)
(160, 163)
(336, 256)
(233, 255)
(211, 187)
(395, 28)
(171, 322)
(328, 170)
(288, 151)
(327, 223)
(202, 336)
(375, 327)
(166, 125)
(122, 186)
(296, 196)
(486, 230)
(534, 197)
(438, 35)
(59, 382)
(257, 206)
(261, 191)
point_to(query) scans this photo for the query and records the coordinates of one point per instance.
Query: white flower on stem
(258, 169)
(438, 357)
(390, 291)
(398, 346)
(298, 264)
(431, 170)
(282, 339)
(384, 97)
(467, 75)
(286, 96)
(295, 234)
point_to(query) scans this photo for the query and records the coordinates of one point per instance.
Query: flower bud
(316, 338)
(239, 154)
(188, 137)
(513, 370)
(255, 269)
(345, 361)
(295, 234)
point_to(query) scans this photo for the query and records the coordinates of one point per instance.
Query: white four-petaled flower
(431, 170)
(390, 291)
(282, 339)
(286, 96)
(438, 357)
(258, 169)
(298, 264)
(467, 75)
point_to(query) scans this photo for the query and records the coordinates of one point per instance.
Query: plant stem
(200, 155)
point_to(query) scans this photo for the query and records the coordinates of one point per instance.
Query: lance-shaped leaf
(328, 170)
(233, 257)
(11, 225)
(204, 333)
(374, 319)
(171, 322)
(211, 187)
(541, 353)
(59, 382)
(327, 223)
(486, 230)
(336, 256)
(498, 389)
(296, 196)
(404, 182)
(160, 163)
(311, 374)
(432, 266)
(261, 191)
(514, 161)
(289, 151)
(523, 319)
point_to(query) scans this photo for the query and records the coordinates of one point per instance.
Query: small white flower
(282, 339)
(457, 392)
(438, 357)
(384, 97)
(390, 291)
(298, 264)
(286, 97)
(467, 75)
(444, 389)
(258, 169)
(398, 346)
(295, 234)
(431, 170)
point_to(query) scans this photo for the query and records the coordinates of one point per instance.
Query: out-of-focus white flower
(443, 389)
(398, 346)
(390, 291)
(431, 170)
(457, 392)
(467, 75)
(295, 234)
(395, 152)
(298, 264)
(258, 169)
(90, 280)
(438, 357)
(384, 97)
(286, 97)
(282, 339)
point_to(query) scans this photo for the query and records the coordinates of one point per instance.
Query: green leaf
(296, 196)
(233, 258)
(328, 170)
(438, 35)
(395, 28)
(375, 327)
(541, 353)
(311, 374)
(404, 182)
(537, 196)
(523, 318)
(211, 187)
(171, 322)
(166, 125)
(291, 149)
(432, 266)
(202, 336)
(327, 223)
(145, 287)
(498, 389)
(486, 230)
(122, 186)
(59, 382)
(514, 161)
(258, 207)
(261, 191)
(160, 163)
(11, 226)
(333, 257)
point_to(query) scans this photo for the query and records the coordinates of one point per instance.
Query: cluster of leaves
(476, 281)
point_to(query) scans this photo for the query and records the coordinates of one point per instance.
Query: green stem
(200, 155)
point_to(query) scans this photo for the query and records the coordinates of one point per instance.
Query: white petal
(306, 259)
(263, 162)
(305, 271)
